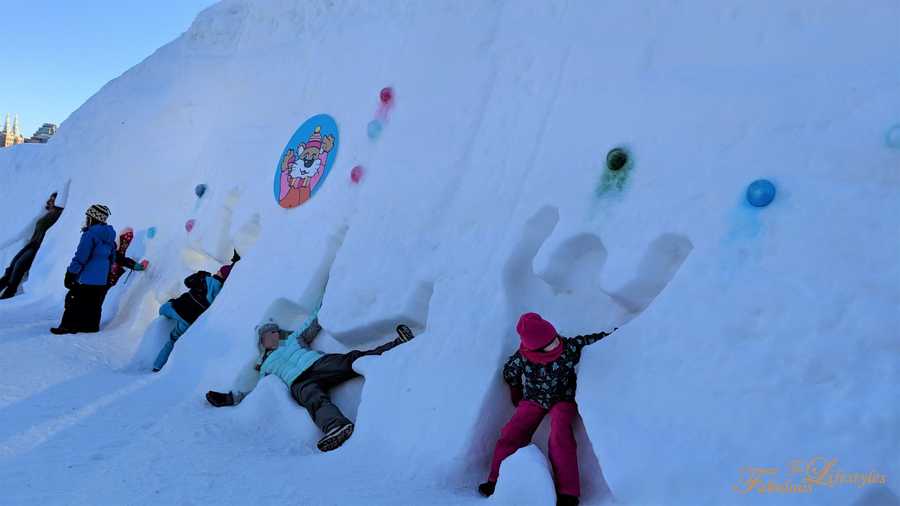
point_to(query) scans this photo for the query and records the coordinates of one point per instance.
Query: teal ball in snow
(892, 137)
(151, 232)
(200, 189)
(616, 159)
(374, 129)
(761, 193)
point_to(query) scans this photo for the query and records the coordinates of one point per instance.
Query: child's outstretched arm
(512, 375)
(247, 382)
(582, 341)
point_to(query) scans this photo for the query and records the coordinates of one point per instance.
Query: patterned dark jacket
(547, 384)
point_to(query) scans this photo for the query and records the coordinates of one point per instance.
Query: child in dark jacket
(203, 288)
(87, 275)
(541, 377)
(21, 263)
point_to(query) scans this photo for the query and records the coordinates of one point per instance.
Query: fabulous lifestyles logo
(802, 477)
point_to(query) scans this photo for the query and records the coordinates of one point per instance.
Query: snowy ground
(748, 337)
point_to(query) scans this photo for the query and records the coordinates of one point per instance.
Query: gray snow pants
(17, 269)
(310, 389)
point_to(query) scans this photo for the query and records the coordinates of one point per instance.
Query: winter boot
(335, 437)
(566, 500)
(487, 488)
(405, 334)
(62, 330)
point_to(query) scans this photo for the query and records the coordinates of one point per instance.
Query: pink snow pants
(517, 434)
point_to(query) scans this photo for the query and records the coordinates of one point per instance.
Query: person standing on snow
(203, 288)
(541, 377)
(309, 374)
(88, 274)
(21, 263)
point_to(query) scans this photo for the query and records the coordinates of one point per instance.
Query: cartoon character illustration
(302, 167)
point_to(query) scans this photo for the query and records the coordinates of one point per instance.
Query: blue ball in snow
(374, 129)
(892, 137)
(200, 189)
(151, 232)
(760, 193)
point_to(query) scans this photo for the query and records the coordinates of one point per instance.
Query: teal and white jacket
(292, 357)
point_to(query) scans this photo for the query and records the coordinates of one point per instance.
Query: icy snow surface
(748, 336)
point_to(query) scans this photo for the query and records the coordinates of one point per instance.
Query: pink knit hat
(224, 271)
(535, 331)
(315, 140)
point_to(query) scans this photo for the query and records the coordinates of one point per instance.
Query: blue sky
(57, 53)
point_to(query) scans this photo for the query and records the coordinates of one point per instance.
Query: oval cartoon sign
(306, 161)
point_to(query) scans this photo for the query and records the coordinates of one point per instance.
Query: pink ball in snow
(356, 173)
(189, 225)
(387, 95)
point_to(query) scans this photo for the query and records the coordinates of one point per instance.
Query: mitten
(218, 399)
(235, 257)
(71, 280)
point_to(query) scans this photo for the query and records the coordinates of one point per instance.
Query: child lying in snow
(203, 288)
(308, 373)
(541, 378)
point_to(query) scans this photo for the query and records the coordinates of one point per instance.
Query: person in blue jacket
(308, 373)
(203, 288)
(87, 275)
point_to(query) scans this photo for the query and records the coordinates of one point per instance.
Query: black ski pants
(310, 389)
(84, 304)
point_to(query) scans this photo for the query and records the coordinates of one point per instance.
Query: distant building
(43, 134)
(10, 135)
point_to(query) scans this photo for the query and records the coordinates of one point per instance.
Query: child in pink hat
(541, 378)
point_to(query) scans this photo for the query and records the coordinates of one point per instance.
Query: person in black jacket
(21, 263)
(203, 288)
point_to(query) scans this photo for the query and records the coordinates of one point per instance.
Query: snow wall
(749, 337)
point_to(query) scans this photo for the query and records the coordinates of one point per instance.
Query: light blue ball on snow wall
(761, 193)
(200, 189)
(374, 129)
(892, 137)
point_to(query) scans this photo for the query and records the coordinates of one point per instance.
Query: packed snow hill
(351, 252)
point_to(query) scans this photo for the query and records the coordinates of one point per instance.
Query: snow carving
(572, 279)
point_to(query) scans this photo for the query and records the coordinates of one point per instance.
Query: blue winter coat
(95, 254)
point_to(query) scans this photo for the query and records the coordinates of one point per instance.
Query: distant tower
(10, 136)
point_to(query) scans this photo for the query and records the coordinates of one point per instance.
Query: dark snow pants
(84, 304)
(310, 389)
(17, 269)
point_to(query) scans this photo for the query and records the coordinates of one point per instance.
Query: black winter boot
(405, 334)
(566, 500)
(487, 488)
(335, 438)
(62, 330)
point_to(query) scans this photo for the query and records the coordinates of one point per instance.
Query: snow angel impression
(306, 161)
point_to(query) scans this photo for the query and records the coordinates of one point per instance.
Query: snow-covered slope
(748, 337)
